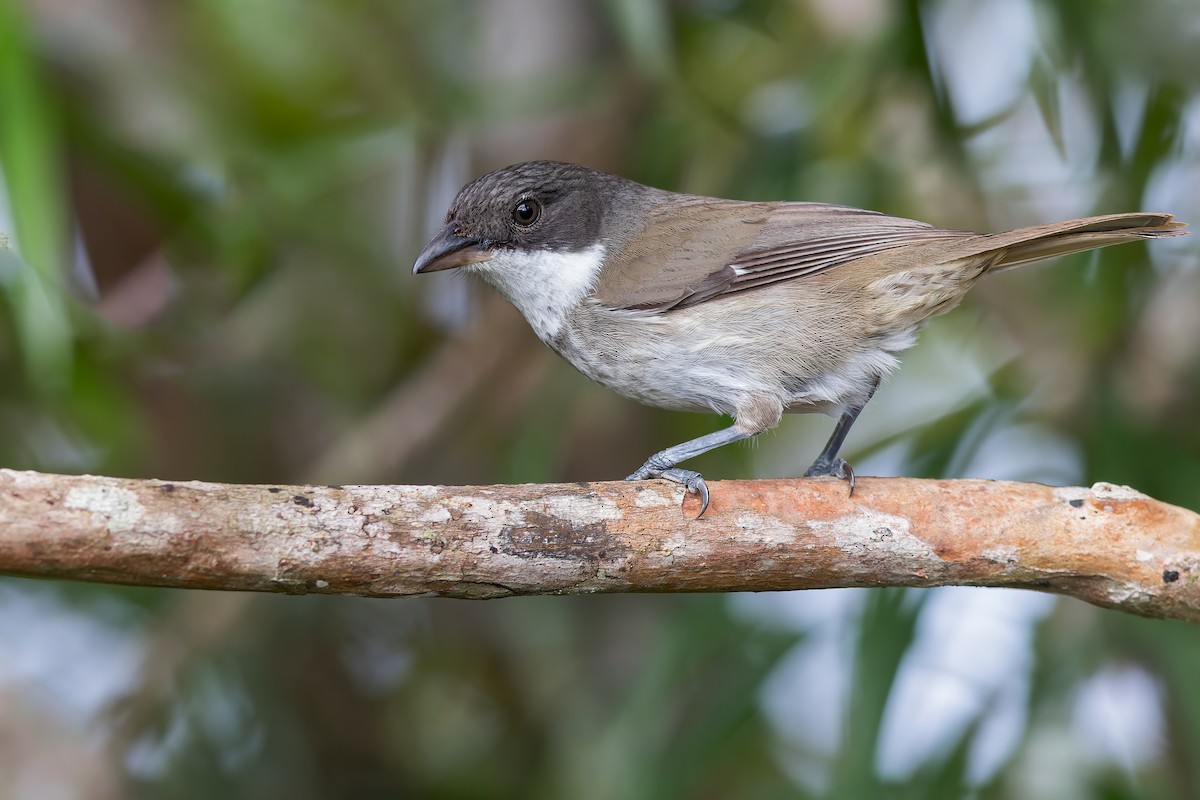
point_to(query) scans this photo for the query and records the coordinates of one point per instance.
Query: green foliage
(30, 159)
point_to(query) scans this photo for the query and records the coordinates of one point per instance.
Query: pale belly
(707, 359)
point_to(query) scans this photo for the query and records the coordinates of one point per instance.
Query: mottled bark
(1108, 545)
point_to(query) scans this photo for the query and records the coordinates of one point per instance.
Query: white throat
(544, 285)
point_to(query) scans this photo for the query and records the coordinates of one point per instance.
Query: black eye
(527, 212)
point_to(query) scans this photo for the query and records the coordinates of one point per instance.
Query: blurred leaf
(644, 26)
(885, 632)
(30, 168)
(1044, 86)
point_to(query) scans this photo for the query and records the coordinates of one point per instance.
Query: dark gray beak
(448, 250)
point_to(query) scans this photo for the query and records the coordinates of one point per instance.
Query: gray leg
(827, 462)
(662, 464)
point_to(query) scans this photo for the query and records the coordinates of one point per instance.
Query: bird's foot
(693, 481)
(832, 468)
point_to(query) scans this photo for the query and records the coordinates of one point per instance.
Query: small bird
(749, 309)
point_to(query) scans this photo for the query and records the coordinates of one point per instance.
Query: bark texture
(1108, 545)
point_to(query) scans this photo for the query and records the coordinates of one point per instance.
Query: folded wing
(701, 251)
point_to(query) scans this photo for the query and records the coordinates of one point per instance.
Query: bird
(734, 307)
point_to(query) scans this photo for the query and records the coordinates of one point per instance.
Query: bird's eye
(527, 212)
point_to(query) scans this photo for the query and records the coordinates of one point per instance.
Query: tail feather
(1026, 245)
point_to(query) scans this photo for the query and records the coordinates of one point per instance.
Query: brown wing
(701, 248)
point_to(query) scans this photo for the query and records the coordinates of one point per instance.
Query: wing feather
(694, 249)
(713, 252)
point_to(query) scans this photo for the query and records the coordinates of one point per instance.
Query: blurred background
(213, 209)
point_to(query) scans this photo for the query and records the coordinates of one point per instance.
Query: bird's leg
(827, 462)
(662, 464)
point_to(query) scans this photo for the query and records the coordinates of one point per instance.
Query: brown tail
(1025, 245)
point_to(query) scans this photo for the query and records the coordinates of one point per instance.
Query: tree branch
(1107, 545)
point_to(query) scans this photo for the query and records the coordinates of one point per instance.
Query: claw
(691, 480)
(697, 485)
(838, 468)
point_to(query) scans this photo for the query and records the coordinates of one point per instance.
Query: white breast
(544, 285)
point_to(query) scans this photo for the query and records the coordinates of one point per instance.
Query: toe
(838, 468)
(692, 481)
